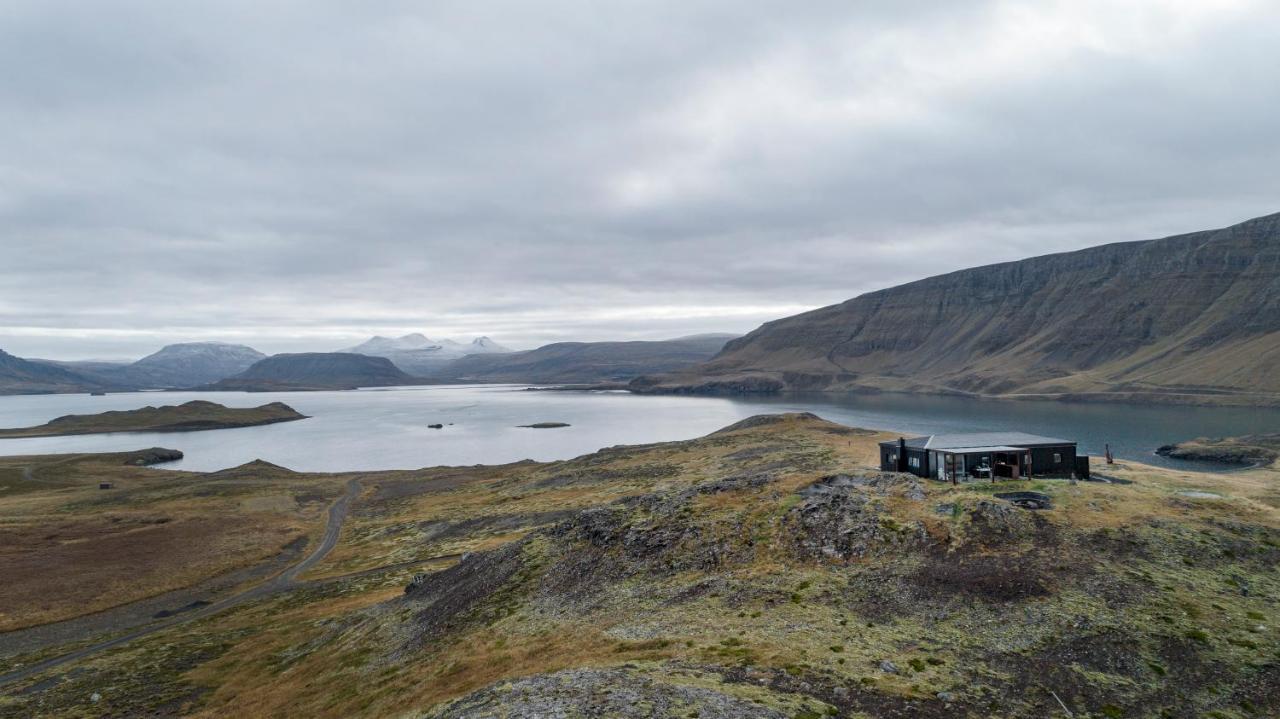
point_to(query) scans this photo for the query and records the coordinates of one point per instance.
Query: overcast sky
(300, 175)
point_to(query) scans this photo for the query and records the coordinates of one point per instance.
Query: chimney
(902, 454)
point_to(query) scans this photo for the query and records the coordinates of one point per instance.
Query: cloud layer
(298, 175)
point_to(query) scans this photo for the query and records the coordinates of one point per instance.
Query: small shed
(105, 485)
(980, 455)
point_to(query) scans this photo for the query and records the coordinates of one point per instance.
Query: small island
(1250, 449)
(191, 416)
(545, 425)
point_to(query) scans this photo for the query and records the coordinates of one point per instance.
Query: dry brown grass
(68, 549)
(79, 566)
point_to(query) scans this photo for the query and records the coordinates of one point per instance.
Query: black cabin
(983, 455)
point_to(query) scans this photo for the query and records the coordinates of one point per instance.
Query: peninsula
(188, 417)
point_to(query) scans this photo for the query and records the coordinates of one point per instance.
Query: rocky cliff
(1192, 318)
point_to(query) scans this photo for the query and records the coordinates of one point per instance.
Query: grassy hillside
(186, 417)
(766, 570)
(1192, 318)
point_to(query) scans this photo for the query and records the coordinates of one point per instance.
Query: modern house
(983, 455)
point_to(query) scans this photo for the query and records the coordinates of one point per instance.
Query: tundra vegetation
(765, 570)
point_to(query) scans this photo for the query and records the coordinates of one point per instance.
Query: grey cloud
(296, 175)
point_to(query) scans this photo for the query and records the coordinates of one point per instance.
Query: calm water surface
(387, 428)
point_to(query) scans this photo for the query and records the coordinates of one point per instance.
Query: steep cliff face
(1193, 318)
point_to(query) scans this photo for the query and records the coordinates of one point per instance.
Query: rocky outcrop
(1192, 318)
(843, 517)
(155, 455)
(187, 417)
(1246, 450)
(442, 601)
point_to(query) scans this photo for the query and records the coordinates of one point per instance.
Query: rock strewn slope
(1189, 318)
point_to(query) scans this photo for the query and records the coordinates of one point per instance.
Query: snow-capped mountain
(379, 344)
(484, 345)
(418, 354)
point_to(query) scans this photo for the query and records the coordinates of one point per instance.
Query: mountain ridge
(1187, 318)
(418, 354)
(175, 366)
(584, 362)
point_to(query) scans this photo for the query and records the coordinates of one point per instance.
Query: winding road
(283, 581)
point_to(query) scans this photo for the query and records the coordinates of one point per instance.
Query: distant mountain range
(21, 376)
(314, 371)
(1193, 318)
(1190, 318)
(173, 367)
(585, 362)
(377, 362)
(419, 355)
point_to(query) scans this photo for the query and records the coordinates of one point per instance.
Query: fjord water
(387, 428)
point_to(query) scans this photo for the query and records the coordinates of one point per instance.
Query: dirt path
(281, 582)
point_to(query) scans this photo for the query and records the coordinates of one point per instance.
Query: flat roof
(976, 450)
(976, 441)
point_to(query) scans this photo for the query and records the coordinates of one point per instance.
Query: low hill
(585, 362)
(21, 376)
(315, 370)
(187, 417)
(1190, 318)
